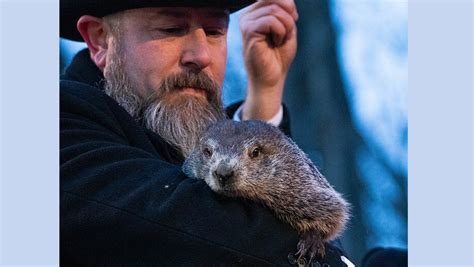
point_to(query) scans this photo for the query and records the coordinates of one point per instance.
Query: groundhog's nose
(223, 173)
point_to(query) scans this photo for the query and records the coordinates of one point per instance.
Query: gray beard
(179, 119)
(181, 122)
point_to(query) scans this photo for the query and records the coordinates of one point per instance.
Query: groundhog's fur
(255, 160)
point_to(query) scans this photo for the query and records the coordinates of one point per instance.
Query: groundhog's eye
(255, 152)
(207, 152)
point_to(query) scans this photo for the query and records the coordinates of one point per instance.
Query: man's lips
(193, 91)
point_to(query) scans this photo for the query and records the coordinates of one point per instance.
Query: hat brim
(72, 10)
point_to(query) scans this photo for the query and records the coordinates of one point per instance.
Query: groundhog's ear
(191, 164)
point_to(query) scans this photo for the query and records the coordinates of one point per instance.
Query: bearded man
(132, 107)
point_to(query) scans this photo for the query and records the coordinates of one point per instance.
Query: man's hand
(269, 35)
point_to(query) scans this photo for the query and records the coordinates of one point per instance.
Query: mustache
(200, 81)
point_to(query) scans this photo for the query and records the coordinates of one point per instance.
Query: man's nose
(196, 54)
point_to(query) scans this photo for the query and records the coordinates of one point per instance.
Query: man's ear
(94, 32)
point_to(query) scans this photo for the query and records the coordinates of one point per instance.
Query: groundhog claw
(310, 245)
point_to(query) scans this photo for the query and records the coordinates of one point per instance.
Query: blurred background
(347, 96)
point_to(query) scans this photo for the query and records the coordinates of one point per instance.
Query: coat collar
(83, 70)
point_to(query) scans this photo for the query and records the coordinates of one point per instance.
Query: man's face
(158, 42)
(166, 67)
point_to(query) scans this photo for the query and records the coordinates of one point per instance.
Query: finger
(273, 10)
(276, 11)
(288, 5)
(270, 27)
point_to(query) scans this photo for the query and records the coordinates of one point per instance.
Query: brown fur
(280, 175)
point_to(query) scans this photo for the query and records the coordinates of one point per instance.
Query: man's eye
(214, 32)
(174, 30)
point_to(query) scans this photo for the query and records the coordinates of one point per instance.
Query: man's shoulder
(79, 90)
(81, 97)
(92, 105)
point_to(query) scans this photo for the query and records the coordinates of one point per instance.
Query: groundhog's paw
(310, 246)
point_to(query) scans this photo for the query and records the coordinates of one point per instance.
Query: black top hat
(72, 10)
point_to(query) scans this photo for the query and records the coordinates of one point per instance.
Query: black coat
(125, 201)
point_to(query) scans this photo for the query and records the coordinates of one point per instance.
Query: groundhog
(254, 160)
